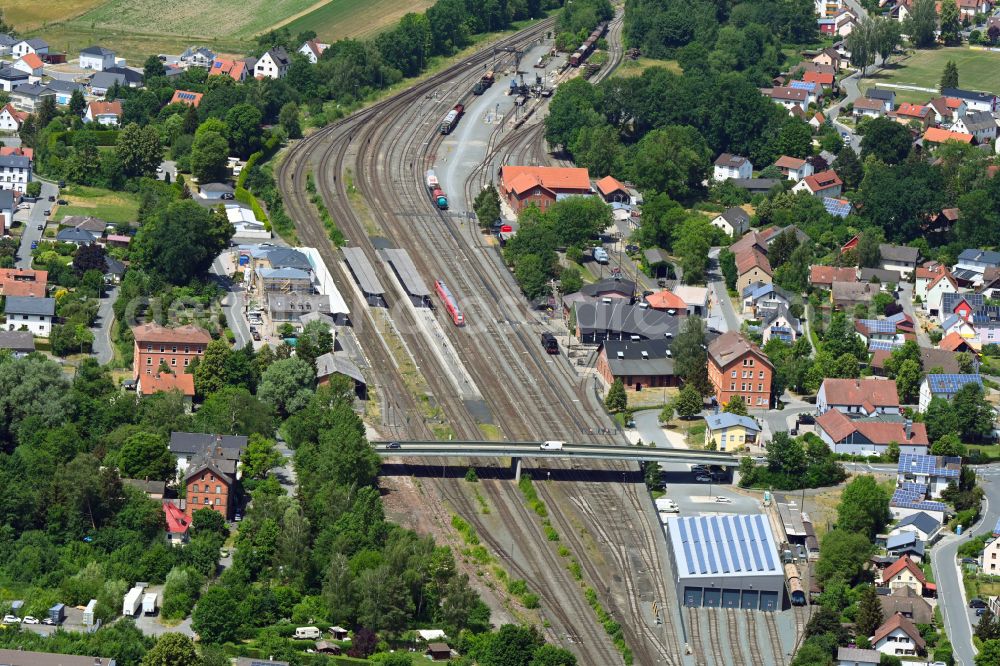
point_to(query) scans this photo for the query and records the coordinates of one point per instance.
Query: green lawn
(340, 19)
(977, 70)
(637, 67)
(117, 207)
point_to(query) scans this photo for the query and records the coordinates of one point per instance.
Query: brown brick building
(738, 367)
(524, 185)
(157, 345)
(210, 486)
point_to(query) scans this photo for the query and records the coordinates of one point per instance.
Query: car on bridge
(393, 445)
(552, 445)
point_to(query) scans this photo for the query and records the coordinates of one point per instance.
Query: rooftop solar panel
(801, 85)
(950, 384)
(882, 345)
(838, 207)
(878, 325)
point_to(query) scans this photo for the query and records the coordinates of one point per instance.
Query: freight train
(434, 190)
(451, 120)
(795, 591)
(483, 84)
(588, 45)
(450, 304)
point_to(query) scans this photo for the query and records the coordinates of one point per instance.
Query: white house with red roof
(178, 524)
(860, 397)
(11, 119)
(312, 50)
(31, 65)
(931, 286)
(823, 184)
(103, 113)
(788, 97)
(904, 572)
(794, 168)
(898, 637)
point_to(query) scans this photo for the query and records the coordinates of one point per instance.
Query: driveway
(103, 349)
(285, 473)
(233, 305)
(168, 167)
(906, 300)
(31, 221)
(958, 617)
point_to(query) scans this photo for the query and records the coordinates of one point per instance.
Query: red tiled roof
(786, 162)
(666, 300)
(157, 333)
(520, 179)
(32, 60)
(18, 150)
(938, 135)
(869, 104)
(839, 426)
(912, 110)
(177, 521)
(151, 384)
(952, 342)
(868, 392)
(821, 78)
(186, 97)
(19, 116)
(608, 184)
(105, 108)
(831, 274)
(23, 282)
(823, 180)
(747, 261)
(898, 621)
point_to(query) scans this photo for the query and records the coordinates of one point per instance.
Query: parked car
(11, 619)
(48, 211)
(807, 419)
(723, 500)
(703, 478)
(49, 621)
(62, 202)
(24, 206)
(41, 226)
(28, 619)
(227, 196)
(980, 611)
(255, 335)
(977, 603)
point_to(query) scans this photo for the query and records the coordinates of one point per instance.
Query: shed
(438, 651)
(328, 365)
(658, 262)
(326, 647)
(339, 633)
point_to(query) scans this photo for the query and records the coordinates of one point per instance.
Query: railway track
(694, 637)
(753, 642)
(777, 651)
(714, 637)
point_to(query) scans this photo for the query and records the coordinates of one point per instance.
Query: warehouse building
(728, 561)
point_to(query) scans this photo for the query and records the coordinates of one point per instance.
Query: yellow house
(729, 432)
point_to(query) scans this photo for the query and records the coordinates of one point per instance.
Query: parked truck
(88, 613)
(57, 615)
(132, 602)
(149, 603)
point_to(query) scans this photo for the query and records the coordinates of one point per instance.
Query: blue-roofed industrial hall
(726, 561)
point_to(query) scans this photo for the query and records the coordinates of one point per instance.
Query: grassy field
(26, 15)
(339, 19)
(637, 67)
(977, 70)
(117, 207)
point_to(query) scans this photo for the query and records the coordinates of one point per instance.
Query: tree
(487, 206)
(209, 156)
(90, 258)
(689, 402)
(842, 555)
(259, 457)
(550, 655)
(989, 654)
(77, 103)
(172, 650)
(864, 507)
(993, 34)
(511, 645)
(531, 275)
(243, 129)
(849, 167)
(616, 399)
(886, 140)
(153, 68)
(208, 521)
(691, 356)
(951, 27)
(138, 150)
(673, 160)
(948, 445)
(234, 411)
(190, 125)
(288, 118)
(216, 618)
(940, 419)
(182, 241)
(736, 405)
(949, 78)
(314, 341)
(785, 455)
(908, 381)
(727, 262)
(974, 413)
(922, 23)
(692, 241)
(210, 375)
(795, 138)
(988, 627)
(869, 616)
(146, 456)
(570, 280)
(287, 385)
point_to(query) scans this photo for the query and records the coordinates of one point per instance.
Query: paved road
(958, 617)
(31, 222)
(103, 349)
(233, 305)
(721, 311)
(906, 300)
(169, 167)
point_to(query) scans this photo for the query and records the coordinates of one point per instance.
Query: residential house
(980, 124)
(886, 97)
(824, 276)
(78, 237)
(6, 43)
(291, 307)
(237, 70)
(154, 490)
(870, 436)
(20, 657)
(846, 295)
(640, 364)
(734, 221)
(273, 64)
(911, 499)
(11, 78)
(898, 258)
(23, 282)
(178, 524)
(991, 557)
(615, 319)
(931, 284)
(18, 343)
(794, 168)
(907, 113)
(970, 9)
(101, 82)
(965, 305)
(163, 382)
(186, 97)
(905, 543)
(126, 76)
(817, 121)
(947, 109)
(696, 299)
(524, 185)
(779, 323)
(328, 366)
(974, 101)
(884, 330)
(868, 108)
(29, 313)
(959, 326)
(752, 267)
(936, 136)
(943, 386)
(823, 184)
(852, 656)
(929, 358)
(216, 191)
(26, 46)
(15, 172)
(30, 96)
(211, 484)
(197, 56)
(282, 280)
(730, 432)
(932, 472)
(990, 286)
(973, 263)
(898, 637)
(64, 90)
(926, 527)
(757, 185)
(158, 347)
(827, 8)
(737, 367)
(954, 342)
(97, 58)
(829, 58)
(820, 78)
(189, 447)
(104, 113)
(814, 96)
(863, 397)
(312, 50)
(788, 97)
(667, 301)
(31, 65)
(728, 166)
(11, 119)
(762, 298)
(612, 190)
(904, 601)
(904, 572)
(879, 275)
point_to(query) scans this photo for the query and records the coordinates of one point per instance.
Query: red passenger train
(450, 304)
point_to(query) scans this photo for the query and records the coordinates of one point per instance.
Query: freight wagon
(795, 592)
(434, 189)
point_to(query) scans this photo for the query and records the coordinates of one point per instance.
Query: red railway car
(450, 304)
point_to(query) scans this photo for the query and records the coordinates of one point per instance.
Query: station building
(728, 561)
